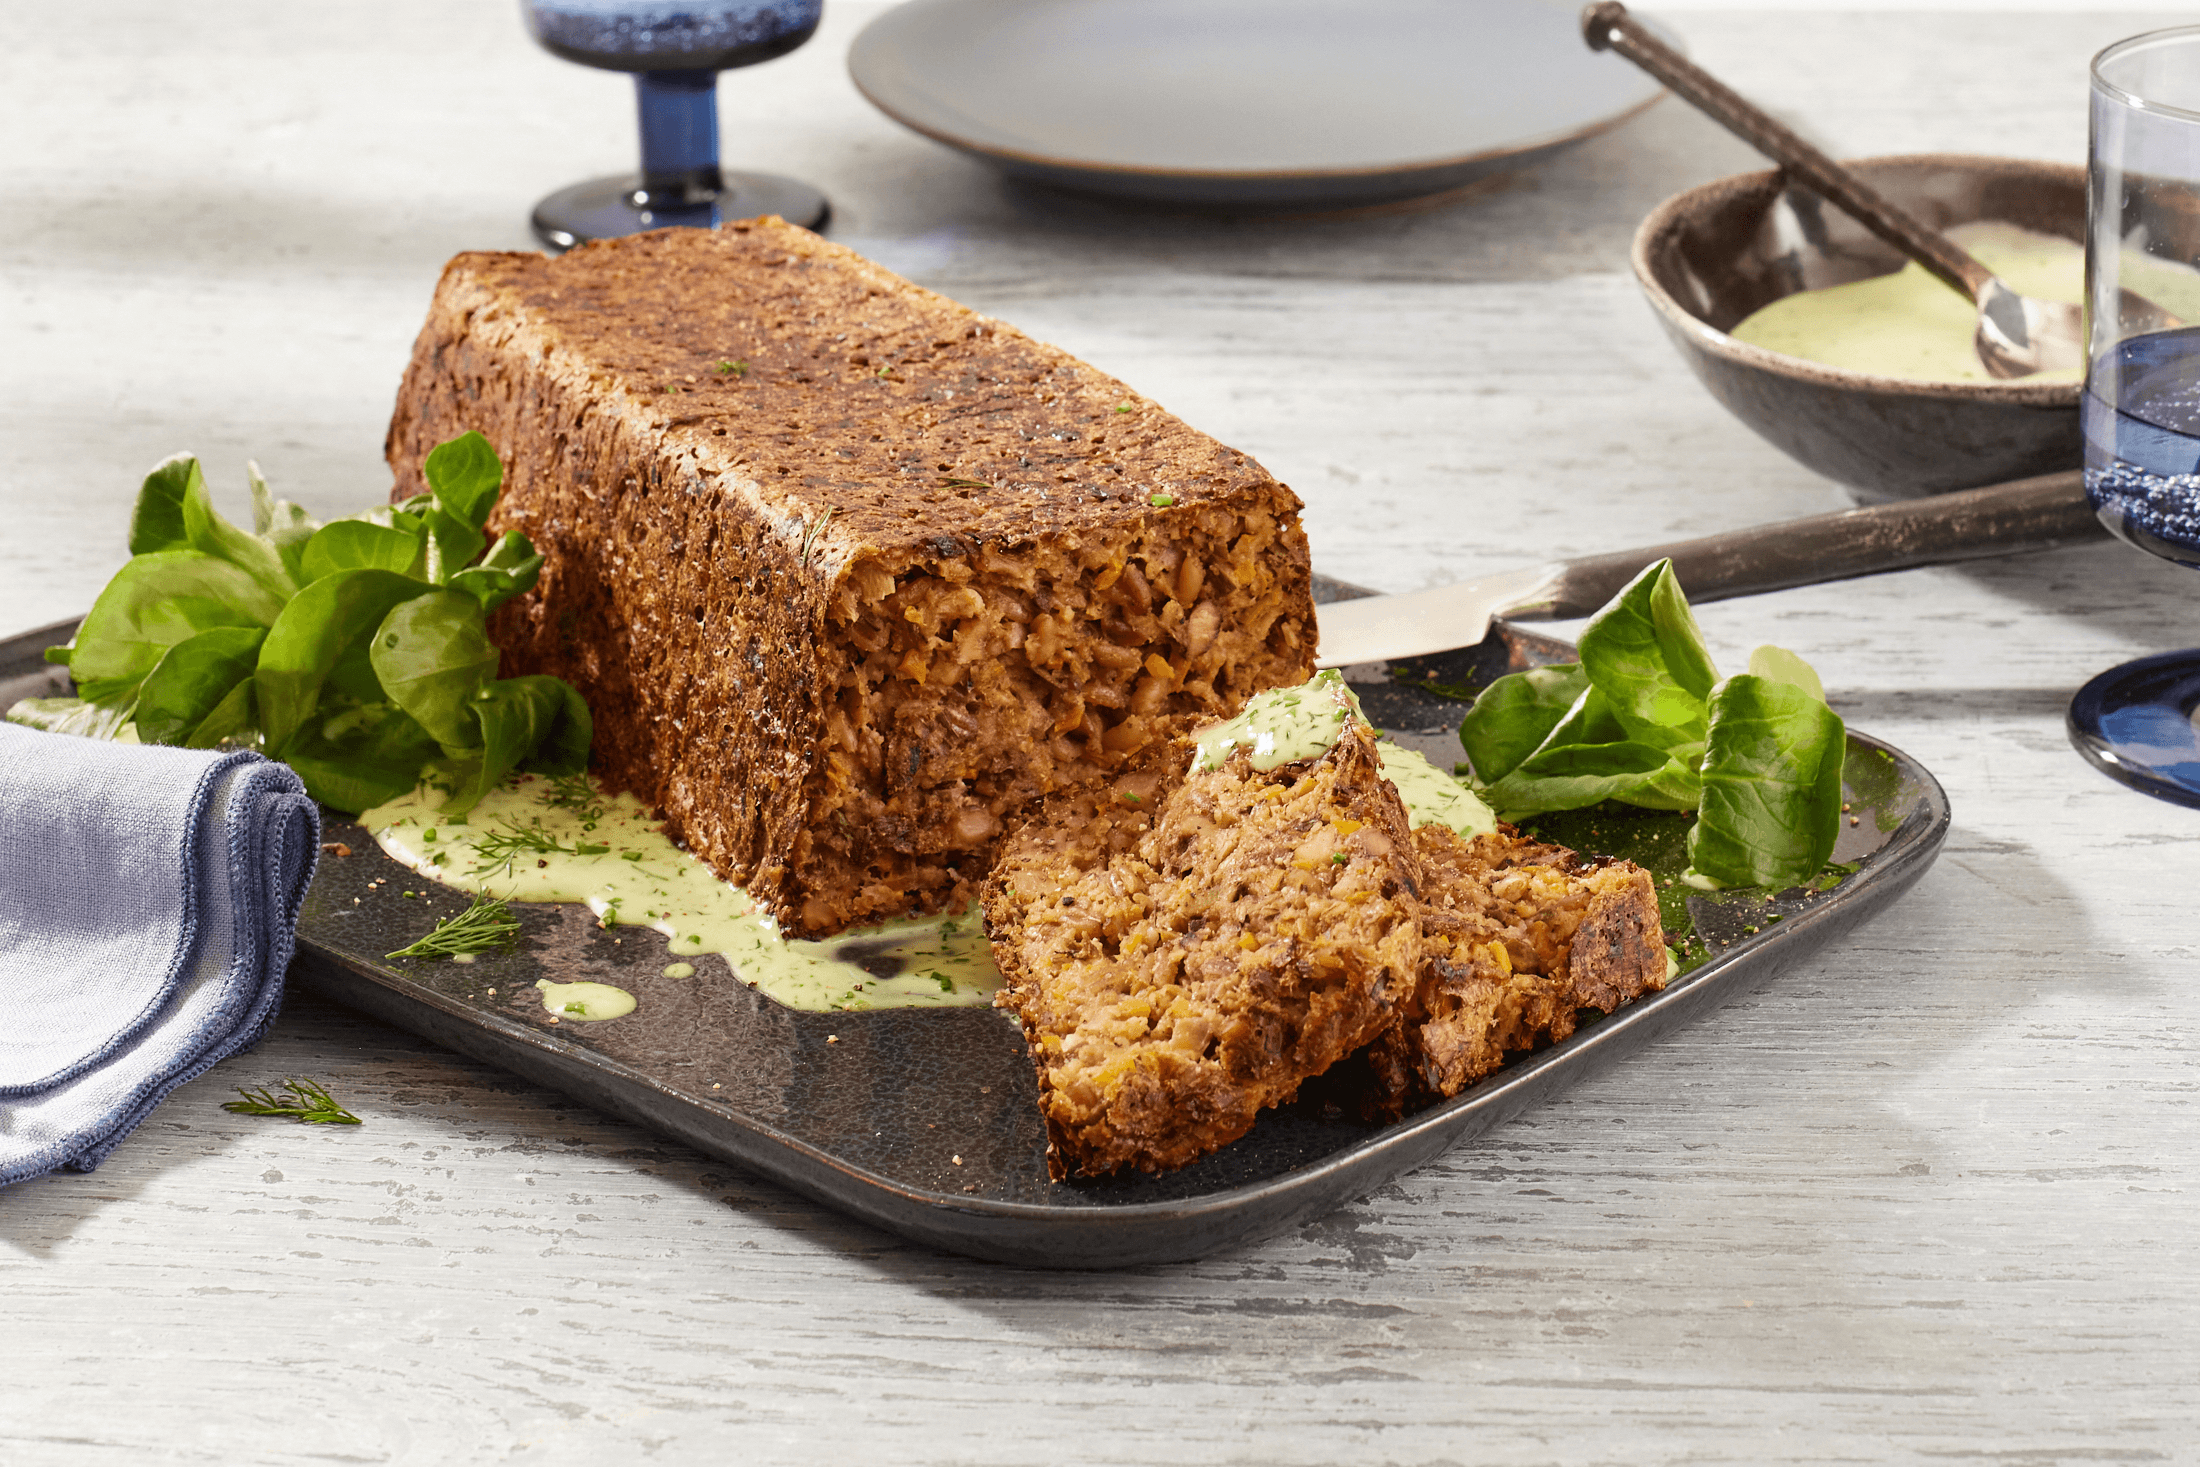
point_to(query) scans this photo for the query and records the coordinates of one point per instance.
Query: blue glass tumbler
(674, 49)
(2140, 723)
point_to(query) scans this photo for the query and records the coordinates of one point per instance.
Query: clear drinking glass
(2141, 406)
(675, 50)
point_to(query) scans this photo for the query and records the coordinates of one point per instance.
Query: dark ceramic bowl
(1710, 256)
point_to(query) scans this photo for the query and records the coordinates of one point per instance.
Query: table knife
(1972, 524)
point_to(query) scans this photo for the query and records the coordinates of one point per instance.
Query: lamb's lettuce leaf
(1771, 785)
(365, 756)
(464, 475)
(342, 545)
(1644, 719)
(156, 520)
(71, 716)
(534, 723)
(230, 720)
(317, 628)
(1570, 776)
(280, 523)
(1516, 714)
(463, 479)
(509, 569)
(211, 534)
(192, 679)
(1644, 653)
(432, 656)
(1783, 666)
(154, 602)
(333, 646)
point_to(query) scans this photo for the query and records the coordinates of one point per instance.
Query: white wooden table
(1929, 1196)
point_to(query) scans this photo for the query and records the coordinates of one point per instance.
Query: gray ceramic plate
(1247, 103)
(870, 1112)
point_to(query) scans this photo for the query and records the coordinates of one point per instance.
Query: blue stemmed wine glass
(675, 50)
(2141, 406)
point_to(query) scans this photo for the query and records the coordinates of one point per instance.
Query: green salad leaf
(464, 475)
(1644, 719)
(355, 650)
(70, 716)
(432, 655)
(1570, 776)
(1516, 714)
(154, 602)
(1644, 653)
(342, 545)
(314, 631)
(1771, 785)
(509, 569)
(210, 534)
(1783, 666)
(534, 723)
(156, 521)
(195, 677)
(366, 755)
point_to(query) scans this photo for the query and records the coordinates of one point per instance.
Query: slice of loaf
(847, 573)
(1520, 936)
(1186, 950)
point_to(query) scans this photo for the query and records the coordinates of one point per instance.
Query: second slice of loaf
(1185, 956)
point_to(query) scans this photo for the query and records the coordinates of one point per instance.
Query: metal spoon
(2017, 336)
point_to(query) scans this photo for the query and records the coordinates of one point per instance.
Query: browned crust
(1190, 966)
(804, 599)
(1619, 945)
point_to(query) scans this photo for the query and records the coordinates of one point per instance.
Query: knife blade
(1972, 524)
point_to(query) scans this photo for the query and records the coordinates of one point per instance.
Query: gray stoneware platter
(1247, 104)
(925, 1121)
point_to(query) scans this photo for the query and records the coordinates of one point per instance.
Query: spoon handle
(1939, 529)
(1608, 27)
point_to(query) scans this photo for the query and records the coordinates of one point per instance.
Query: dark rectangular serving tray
(925, 1121)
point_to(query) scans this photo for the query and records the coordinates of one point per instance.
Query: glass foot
(2134, 723)
(606, 208)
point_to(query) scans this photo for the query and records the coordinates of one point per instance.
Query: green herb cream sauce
(1432, 797)
(593, 1002)
(535, 840)
(1285, 724)
(1908, 324)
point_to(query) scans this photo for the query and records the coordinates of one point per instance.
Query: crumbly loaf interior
(846, 572)
(962, 690)
(1520, 936)
(1184, 957)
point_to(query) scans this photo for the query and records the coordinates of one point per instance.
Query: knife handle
(1972, 524)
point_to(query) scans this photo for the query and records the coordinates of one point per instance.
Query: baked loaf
(847, 573)
(1186, 950)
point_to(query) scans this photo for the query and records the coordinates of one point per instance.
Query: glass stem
(679, 124)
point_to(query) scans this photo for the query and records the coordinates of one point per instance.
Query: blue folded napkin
(148, 908)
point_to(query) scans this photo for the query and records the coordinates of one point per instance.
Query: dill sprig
(809, 538)
(485, 925)
(500, 846)
(301, 1100)
(575, 793)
